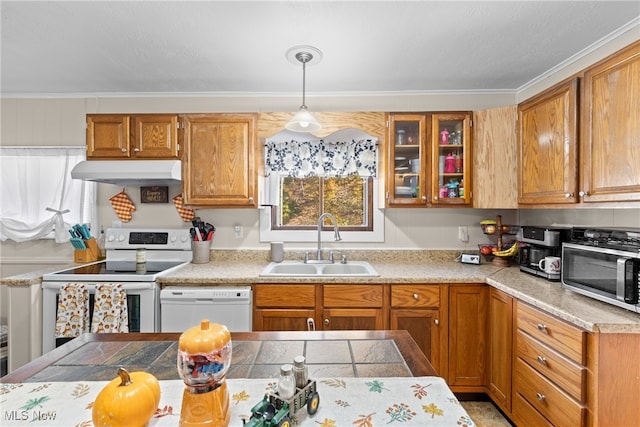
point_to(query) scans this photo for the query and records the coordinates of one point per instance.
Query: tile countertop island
(379, 375)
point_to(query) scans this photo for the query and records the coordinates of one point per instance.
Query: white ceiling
(181, 47)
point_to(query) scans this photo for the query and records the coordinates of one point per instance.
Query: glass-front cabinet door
(451, 159)
(406, 176)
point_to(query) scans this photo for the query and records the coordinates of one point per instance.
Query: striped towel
(110, 309)
(72, 318)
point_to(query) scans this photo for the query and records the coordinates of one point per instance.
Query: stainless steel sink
(299, 268)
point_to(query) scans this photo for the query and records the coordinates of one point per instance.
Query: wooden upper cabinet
(406, 160)
(108, 136)
(125, 136)
(495, 146)
(610, 144)
(155, 136)
(451, 159)
(218, 165)
(547, 146)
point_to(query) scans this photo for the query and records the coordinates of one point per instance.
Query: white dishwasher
(184, 307)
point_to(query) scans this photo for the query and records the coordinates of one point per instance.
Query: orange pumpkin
(129, 400)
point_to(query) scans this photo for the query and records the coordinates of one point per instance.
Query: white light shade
(303, 121)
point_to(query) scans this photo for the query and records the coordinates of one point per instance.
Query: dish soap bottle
(100, 241)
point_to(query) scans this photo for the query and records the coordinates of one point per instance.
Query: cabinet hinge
(386, 195)
(386, 123)
(470, 123)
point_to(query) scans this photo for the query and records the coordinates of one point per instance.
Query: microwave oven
(604, 265)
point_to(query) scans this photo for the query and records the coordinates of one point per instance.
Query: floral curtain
(305, 158)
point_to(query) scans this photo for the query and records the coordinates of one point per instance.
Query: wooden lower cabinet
(468, 337)
(283, 307)
(419, 309)
(538, 369)
(500, 342)
(347, 307)
(549, 367)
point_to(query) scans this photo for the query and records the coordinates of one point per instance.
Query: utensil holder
(201, 251)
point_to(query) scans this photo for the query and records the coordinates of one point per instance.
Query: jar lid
(299, 361)
(400, 131)
(204, 338)
(286, 369)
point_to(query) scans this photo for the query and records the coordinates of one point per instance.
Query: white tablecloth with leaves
(359, 402)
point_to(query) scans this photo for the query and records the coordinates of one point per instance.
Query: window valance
(339, 155)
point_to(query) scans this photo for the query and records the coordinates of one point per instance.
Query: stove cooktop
(98, 271)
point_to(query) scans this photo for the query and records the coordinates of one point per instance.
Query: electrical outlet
(237, 229)
(463, 233)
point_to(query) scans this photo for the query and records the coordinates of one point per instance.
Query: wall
(61, 121)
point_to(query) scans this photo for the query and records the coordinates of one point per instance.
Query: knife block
(87, 255)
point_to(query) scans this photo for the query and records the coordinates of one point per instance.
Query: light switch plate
(470, 259)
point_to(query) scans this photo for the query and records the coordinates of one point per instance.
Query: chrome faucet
(336, 237)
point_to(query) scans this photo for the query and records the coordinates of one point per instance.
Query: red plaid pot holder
(185, 213)
(123, 206)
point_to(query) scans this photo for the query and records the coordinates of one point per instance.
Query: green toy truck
(272, 411)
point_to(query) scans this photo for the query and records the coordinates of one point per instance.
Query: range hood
(130, 172)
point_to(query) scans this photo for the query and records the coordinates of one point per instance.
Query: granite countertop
(244, 267)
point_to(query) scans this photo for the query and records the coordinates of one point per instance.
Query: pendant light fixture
(303, 120)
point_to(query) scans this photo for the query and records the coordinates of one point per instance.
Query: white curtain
(38, 197)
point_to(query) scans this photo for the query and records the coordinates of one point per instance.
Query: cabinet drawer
(562, 371)
(285, 296)
(561, 336)
(527, 415)
(557, 406)
(353, 295)
(415, 296)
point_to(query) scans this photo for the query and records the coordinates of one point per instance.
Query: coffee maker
(541, 242)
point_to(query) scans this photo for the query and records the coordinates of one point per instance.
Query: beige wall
(61, 121)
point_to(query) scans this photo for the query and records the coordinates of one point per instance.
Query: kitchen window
(307, 176)
(303, 200)
(39, 199)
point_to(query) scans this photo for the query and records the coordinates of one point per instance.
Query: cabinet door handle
(542, 327)
(311, 324)
(424, 197)
(124, 150)
(542, 360)
(136, 149)
(541, 397)
(583, 193)
(326, 322)
(435, 197)
(568, 195)
(250, 199)
(436, 321)
(415, 296)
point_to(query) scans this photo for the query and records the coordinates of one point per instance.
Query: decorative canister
(444, 137)
(449, 164)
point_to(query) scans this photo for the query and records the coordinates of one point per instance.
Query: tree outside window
(303, 200)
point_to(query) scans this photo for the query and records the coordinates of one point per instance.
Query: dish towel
(72, 318)
(110, 309)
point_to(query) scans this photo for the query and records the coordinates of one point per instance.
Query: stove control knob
(121, 238)
(111, 238)
(173, 238)
(185, 238)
